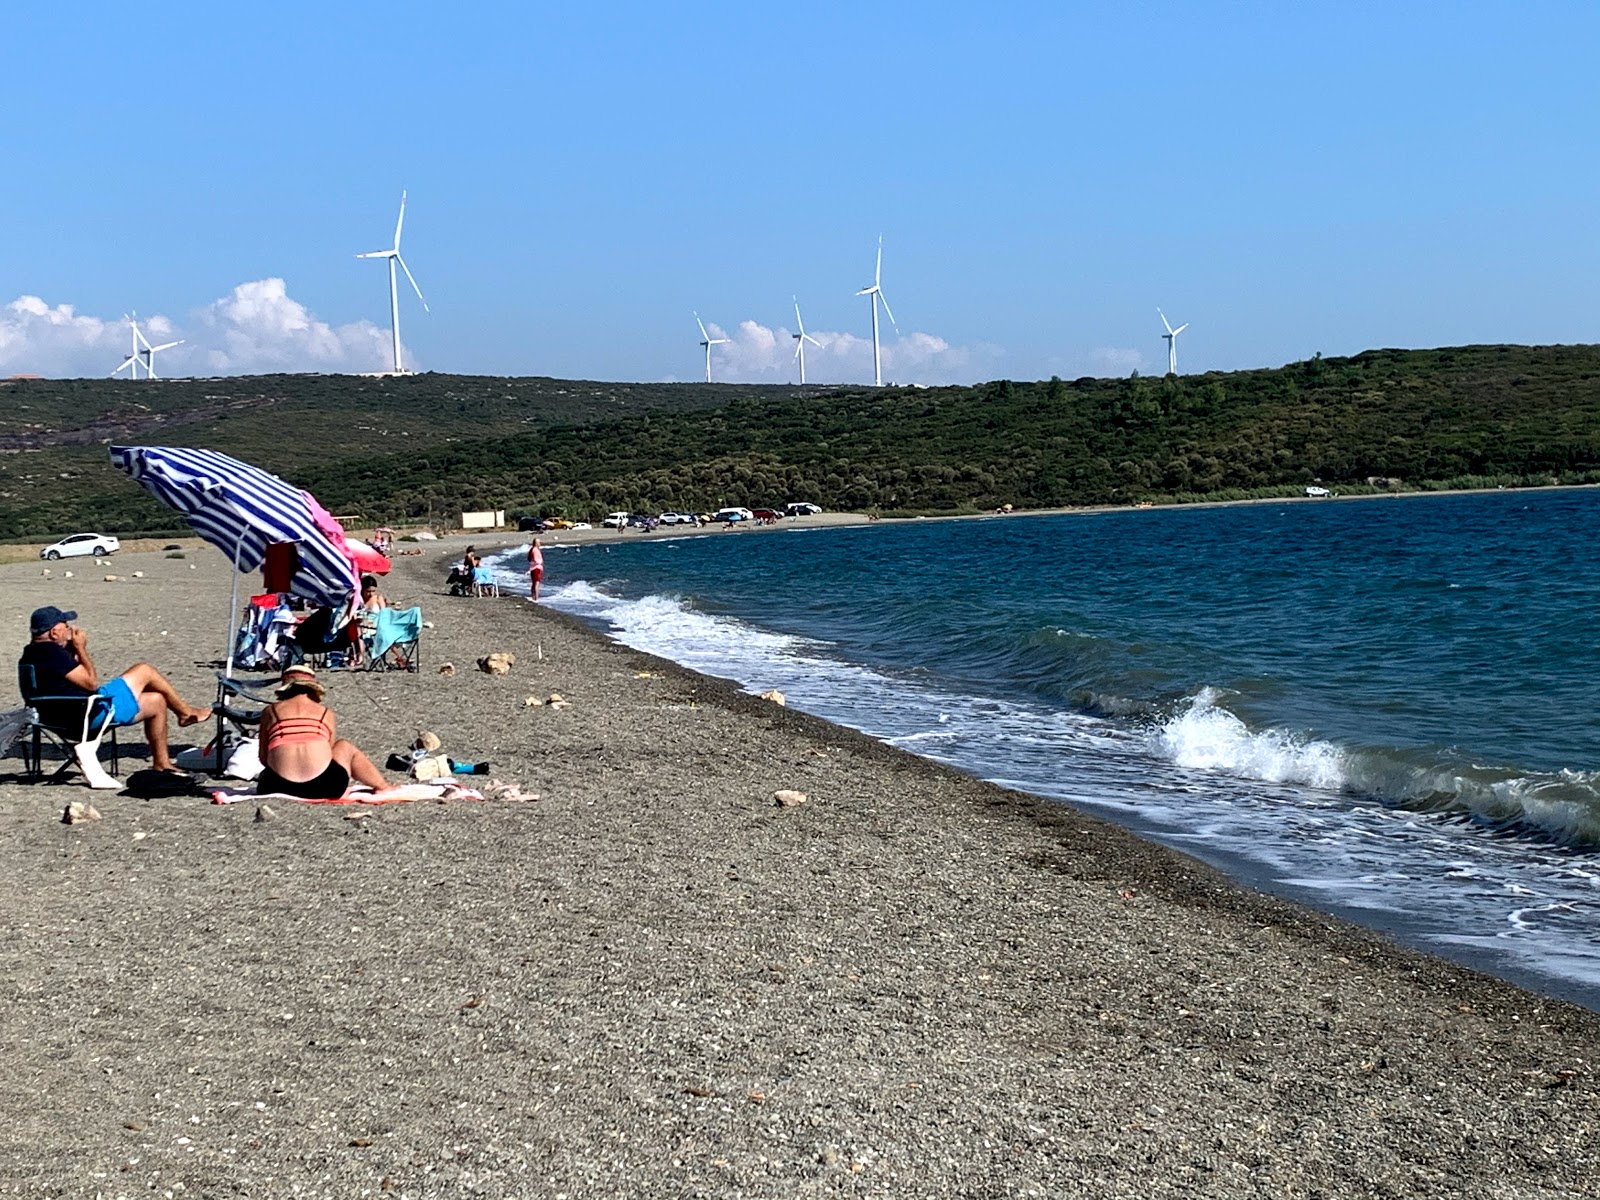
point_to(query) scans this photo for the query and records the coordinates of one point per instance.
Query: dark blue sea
(1384, 708)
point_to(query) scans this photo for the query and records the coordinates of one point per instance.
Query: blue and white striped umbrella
(240, 510)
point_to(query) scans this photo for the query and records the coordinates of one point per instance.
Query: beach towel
(403, 794)
(391, 625)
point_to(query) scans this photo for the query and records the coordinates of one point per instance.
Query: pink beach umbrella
(363, 557)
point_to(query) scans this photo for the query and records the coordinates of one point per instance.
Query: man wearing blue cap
(61, 667)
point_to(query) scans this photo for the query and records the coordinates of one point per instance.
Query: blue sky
(1288, 178)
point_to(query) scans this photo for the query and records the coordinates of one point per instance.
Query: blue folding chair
(79, 725)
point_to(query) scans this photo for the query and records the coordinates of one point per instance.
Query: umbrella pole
(233, 607)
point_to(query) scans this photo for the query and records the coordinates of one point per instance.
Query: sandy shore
(654, 982)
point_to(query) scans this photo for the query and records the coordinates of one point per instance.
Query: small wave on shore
(1561, 807)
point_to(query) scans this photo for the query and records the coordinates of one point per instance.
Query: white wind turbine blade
(399, 221)
(887, 309)
(129, 361)
(705, 338)
(166, 345)
(414, 286)
(1164, 320)
(377, 254)
(877, 274)
(720, 341)
(1180, 329)
(806, 337)
(797, 319)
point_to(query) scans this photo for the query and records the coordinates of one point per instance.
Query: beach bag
(150, 784)
(245, 761)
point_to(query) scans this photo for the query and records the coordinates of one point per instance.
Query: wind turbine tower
(874, 293)
(800, 340)
(708, 341)
(393, 255)
(145, 358)
(1171, 338)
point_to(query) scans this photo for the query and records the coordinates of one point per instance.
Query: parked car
(677, 518)
(643, 521)
(730, 515)
(1317, 492)
(616, 520)
(802, 509)
(765, 514)
(97, 544)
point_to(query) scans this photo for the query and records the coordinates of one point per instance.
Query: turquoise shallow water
(1385, 707)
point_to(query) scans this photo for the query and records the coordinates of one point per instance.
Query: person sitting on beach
(56, 664)
(301, 751)
(371, 598)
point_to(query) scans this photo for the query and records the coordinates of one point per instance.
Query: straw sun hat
(300, 676)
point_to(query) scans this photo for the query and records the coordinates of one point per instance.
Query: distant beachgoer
(56, 665)
(535, 569)
(301, 751)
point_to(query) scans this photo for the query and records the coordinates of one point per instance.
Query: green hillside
(405, 449)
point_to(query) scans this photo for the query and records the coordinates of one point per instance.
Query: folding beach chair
(265, 633)
(319, 637)
(395, 641)
(77, 725)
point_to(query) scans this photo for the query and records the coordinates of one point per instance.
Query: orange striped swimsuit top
(292, 731)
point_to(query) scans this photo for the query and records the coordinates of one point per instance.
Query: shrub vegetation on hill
(430, 446)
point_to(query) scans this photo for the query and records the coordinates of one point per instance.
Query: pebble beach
(656, 980)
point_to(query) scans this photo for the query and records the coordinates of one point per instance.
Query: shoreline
(27, 552)
(655, 981)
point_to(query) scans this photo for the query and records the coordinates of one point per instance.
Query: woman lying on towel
(301, 754)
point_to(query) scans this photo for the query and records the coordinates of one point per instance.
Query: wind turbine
(1171, 339)
(800, 340)
(875, 294)
(393, 255)
(708, 341)
(146, 357)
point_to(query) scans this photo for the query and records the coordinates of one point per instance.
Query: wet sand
(654, 981)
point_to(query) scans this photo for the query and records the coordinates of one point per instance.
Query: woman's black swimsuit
(330, 785)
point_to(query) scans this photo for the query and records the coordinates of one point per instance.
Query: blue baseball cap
(47, 618)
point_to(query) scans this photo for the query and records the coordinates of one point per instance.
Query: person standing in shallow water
(535, 569)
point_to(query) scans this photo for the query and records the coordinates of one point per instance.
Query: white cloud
(758, 354)
(257, 328)
(260, 328)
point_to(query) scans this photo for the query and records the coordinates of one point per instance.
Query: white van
(616, 520)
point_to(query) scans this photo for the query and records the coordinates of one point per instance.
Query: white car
(97, 544)
(1317, 492)
(801, 509)
(616, 520)
(730, 515)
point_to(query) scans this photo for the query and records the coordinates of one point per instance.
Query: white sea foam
(1206, 736)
